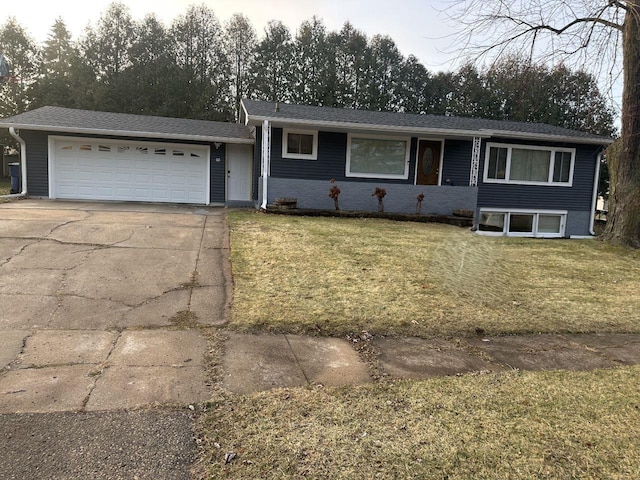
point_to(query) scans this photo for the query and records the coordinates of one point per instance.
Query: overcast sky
(415, 25)
(418, 27)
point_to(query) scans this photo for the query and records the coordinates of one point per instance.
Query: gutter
(23, 165)
(131, 134)
(594, 199)
(266, 162)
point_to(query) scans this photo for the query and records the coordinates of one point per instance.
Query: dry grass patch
(5, 186)
(513, 425)
(333, 276)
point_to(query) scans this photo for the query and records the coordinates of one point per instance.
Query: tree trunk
(623, 221)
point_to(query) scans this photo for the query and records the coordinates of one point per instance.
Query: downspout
(594, 200)
(266, 162)
(23, 164)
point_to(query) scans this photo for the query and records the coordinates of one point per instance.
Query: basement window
(521, 223)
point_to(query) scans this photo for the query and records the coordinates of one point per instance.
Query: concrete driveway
(102, 304)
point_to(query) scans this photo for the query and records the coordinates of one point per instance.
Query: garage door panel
(133, 171)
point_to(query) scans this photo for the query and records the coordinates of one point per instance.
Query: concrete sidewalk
(264, 361)
(88, 370)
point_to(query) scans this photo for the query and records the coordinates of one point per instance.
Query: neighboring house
(520, 179)
(80, 154)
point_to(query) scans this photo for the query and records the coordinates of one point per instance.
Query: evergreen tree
(385, 72)
(271, 70)
(22, 57)
(313, 65)
(151, 76)
(204, 67)
(240, 44)
(106, 51)
(352, 55)
(58, 75)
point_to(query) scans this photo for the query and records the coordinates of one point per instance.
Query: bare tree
(601, 35)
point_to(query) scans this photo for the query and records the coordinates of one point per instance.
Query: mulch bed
(464, 222)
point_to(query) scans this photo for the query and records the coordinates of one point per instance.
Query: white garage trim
(105, 169)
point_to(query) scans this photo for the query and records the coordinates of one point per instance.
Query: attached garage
(102, 169)
(88, 155)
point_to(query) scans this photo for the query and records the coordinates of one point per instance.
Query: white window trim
(403, 176)
(552, 154)
(534, 234)
(441, 140)
(299, 156)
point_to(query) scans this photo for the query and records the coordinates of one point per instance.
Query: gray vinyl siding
(38, 161)
(550, 197)
(218, 174)
(456, 164)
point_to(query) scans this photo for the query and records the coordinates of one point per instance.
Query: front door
(239, 172)
(428, 162)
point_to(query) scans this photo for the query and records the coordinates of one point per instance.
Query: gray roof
(258, 110)
(58, 119)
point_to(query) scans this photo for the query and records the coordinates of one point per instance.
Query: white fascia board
(246, 114)
(483, 133)
(546, 137)
(372, 127)
(126, 133)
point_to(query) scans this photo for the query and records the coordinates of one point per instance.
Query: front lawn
(333, 276)
(516, 425)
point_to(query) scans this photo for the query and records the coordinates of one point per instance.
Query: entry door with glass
(428, 162)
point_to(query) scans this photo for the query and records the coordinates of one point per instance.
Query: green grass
(561, 425)
(333, 276)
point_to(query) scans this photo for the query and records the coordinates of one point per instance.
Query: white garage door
(91, 169)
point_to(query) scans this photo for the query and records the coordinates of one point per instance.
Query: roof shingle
(257, 109)
(108, 123)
